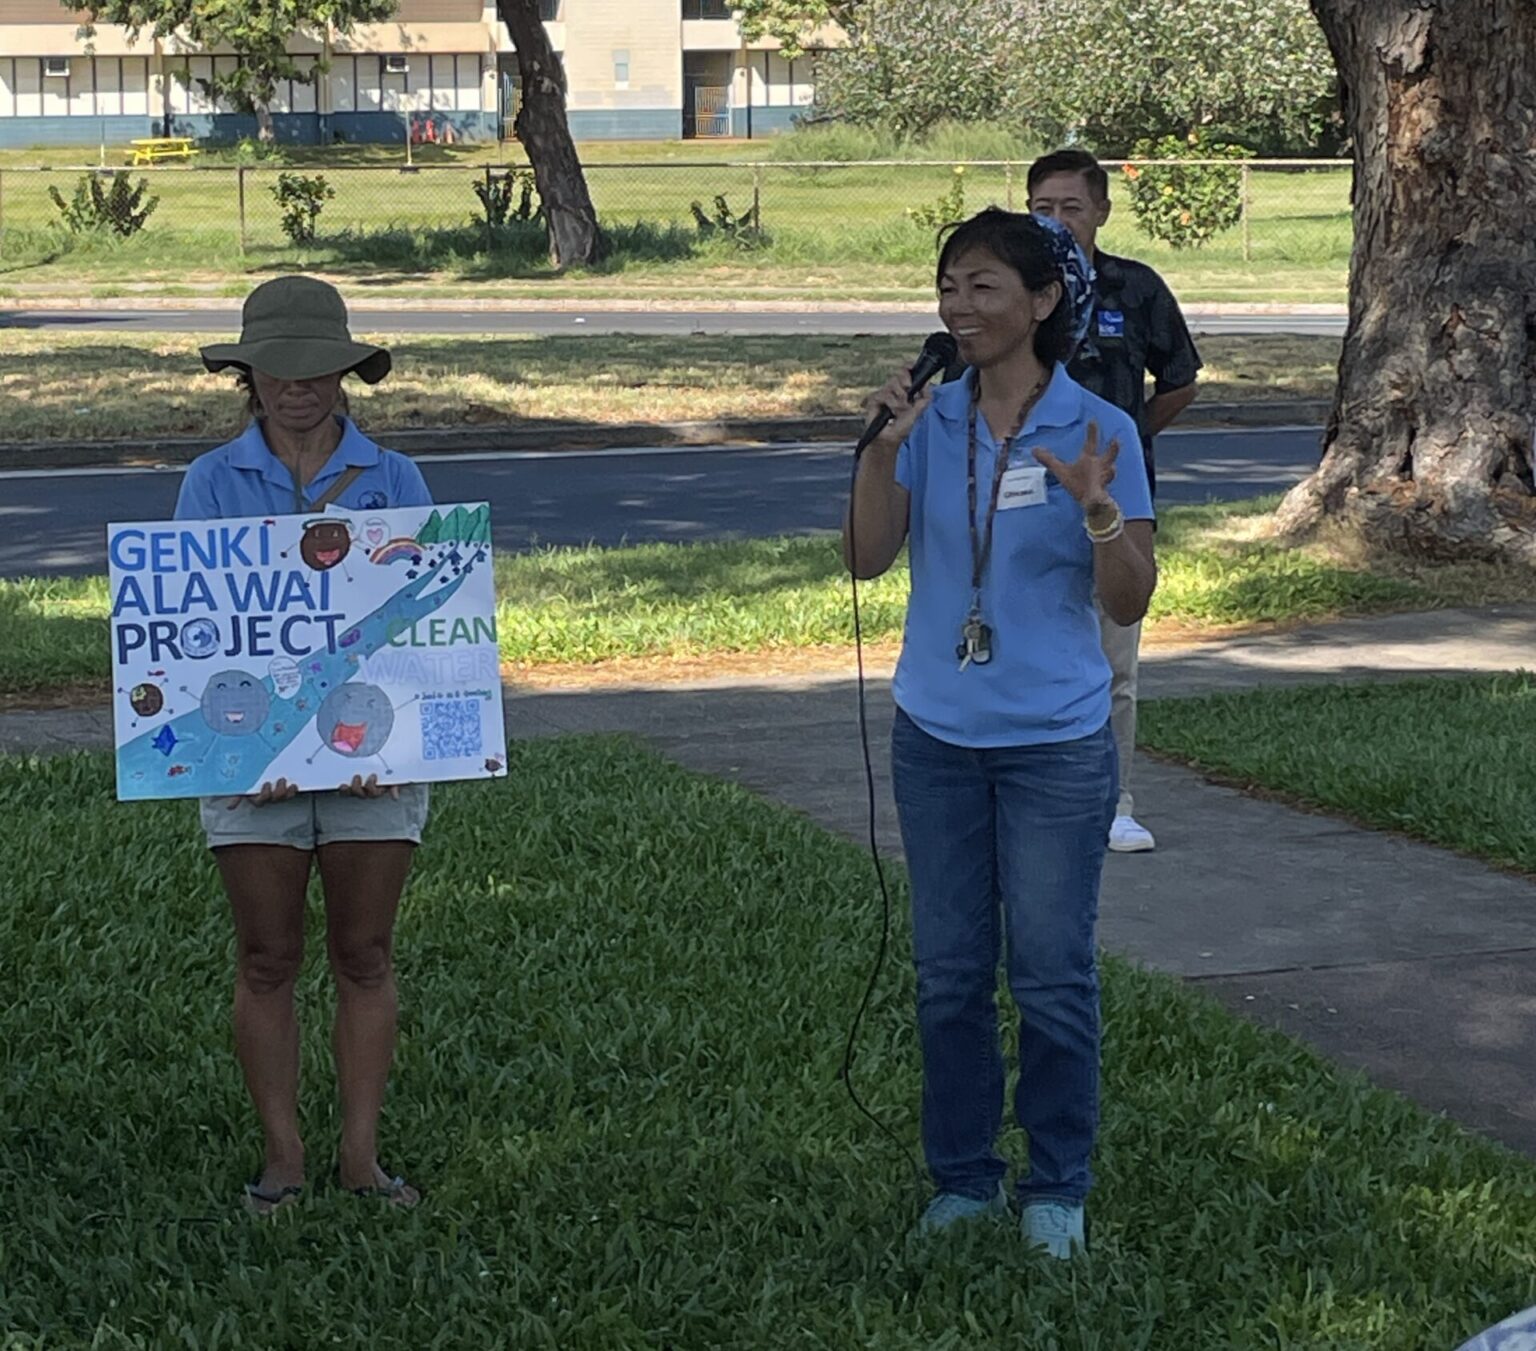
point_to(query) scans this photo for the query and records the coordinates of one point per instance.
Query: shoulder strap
(336, 489)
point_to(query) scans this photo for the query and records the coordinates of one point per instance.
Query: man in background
(1137, 329)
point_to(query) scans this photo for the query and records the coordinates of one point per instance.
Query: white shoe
(1053, 1228)
(1129, 836)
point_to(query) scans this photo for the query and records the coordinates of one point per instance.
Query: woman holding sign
(299, 455)
(1020, 516)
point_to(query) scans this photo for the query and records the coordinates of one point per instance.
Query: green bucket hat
(295, 328)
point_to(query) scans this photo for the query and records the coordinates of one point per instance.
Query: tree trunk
(264, 131)
(541, 126)
(1429, 447)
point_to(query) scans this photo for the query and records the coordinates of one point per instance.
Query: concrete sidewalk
(1412, 964)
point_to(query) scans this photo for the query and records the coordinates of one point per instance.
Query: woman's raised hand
(1088, 477)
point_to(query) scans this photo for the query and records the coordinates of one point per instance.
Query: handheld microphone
(939, 352)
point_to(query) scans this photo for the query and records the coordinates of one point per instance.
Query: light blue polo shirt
(244, 478)
(1048, 680)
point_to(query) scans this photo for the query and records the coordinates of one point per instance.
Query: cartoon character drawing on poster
(146, 698)
(325, 544)
(355, 721)
(235, 703)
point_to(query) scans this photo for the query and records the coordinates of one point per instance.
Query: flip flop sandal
(393, 1192)
(264, 1203)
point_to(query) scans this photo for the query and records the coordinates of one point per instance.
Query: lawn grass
(70, 387)
(562, 607)
(1447, 760)
(832, 231)
(587, 605)
(625, 992)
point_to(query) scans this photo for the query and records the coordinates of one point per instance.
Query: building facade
(441, 70)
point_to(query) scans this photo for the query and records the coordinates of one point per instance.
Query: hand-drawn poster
(312, 649)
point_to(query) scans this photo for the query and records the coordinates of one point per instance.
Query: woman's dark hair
(247, 387)
(1018, 241)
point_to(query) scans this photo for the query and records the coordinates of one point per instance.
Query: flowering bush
(1186, 205)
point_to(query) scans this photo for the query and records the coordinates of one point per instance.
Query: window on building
(706, 9)
(549, 10)
(621, 70)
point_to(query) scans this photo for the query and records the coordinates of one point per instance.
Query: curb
(557, 437)
(553, 437)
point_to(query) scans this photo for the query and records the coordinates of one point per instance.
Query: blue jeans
(1006, 841)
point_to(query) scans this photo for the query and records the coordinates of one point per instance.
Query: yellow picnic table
(152, 149)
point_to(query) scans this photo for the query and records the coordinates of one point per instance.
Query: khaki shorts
(313, 819)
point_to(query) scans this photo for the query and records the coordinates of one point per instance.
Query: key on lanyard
(976, 643)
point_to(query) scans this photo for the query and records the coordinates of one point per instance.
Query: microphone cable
(939, 354)
(845, 1073)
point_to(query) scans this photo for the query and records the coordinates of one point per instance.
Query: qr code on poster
(450, 729)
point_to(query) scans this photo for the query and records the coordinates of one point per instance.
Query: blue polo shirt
(244, 478)
(1048, 680)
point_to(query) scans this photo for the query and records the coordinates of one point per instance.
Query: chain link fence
(211, 220)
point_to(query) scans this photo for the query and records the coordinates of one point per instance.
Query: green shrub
(120, 209)
(743, 230)
(496, 193)
(249, 151)
(301, 199)
(1185, 205)
(946, 209)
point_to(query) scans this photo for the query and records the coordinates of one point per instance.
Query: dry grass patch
(1242, 367)
(99, 386)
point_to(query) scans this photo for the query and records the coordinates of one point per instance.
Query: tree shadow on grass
(518, 250)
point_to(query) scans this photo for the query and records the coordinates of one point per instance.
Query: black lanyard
(981, 547)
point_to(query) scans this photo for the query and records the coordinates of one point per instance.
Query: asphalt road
(725, 323)
(53, 522)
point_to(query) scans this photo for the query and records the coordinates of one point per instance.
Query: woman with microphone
(1020, 512)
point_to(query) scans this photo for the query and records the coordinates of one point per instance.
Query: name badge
(1111, 323)
(1022, 487)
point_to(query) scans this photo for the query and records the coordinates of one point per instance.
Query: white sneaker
(1053, 1228)
(1129, 836)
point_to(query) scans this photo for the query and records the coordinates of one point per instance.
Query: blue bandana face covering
(1077, 274)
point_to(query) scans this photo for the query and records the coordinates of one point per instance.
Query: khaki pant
(1121, 649)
